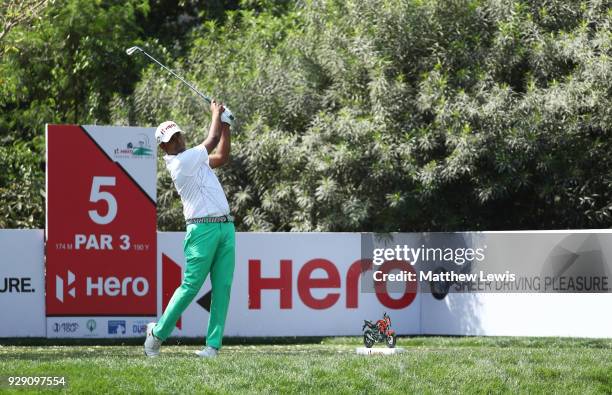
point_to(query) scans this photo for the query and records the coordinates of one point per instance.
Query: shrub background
(416, 115)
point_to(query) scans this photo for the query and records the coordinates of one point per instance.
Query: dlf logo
(59, 286)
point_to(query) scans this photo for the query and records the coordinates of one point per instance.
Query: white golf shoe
(207, 352)
(151, 344)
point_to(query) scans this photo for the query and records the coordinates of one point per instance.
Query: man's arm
(214, 133)
(222, 154)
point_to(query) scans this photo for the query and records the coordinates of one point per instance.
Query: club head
(131, 50)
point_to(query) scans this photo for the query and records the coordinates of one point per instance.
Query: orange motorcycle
(378, 332)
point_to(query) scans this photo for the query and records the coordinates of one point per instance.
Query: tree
(406, 115)
(65, 67)
(16, 13)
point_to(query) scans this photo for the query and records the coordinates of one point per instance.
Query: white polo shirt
(197, 184)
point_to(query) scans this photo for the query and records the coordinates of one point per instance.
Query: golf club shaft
(226, 116)
(206, 98)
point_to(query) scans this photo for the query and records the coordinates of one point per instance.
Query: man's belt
(206, 220)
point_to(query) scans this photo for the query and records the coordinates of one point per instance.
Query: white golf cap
(165, 131)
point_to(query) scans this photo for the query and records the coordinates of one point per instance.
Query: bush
(22, 185)
(406, 115)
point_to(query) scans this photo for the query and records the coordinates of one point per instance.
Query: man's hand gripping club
(218, 137)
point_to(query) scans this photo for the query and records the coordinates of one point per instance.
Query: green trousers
(209, 248)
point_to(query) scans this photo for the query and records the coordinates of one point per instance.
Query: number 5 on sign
(96, 195)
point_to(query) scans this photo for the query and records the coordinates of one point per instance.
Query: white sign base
(97, 327)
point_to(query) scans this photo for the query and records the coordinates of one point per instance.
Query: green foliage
(62, 69)
(394, 115)
(22, 184)
(406, 115)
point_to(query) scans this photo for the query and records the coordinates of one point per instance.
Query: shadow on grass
(173, 341)
(407, 341)
(60, 353)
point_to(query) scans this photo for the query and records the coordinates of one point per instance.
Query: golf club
(226, 116)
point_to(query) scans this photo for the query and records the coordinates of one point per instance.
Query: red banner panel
(101, 221)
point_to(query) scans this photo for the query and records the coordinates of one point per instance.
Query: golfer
(209, 242)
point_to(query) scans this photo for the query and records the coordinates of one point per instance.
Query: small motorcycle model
(378, 332)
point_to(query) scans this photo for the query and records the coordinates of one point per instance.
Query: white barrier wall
(291, 306)
(22, 286)
(561, 314)
(298, 286)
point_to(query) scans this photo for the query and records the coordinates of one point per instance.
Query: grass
(429, 365)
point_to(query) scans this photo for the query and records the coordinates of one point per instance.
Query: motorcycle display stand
(379, 331)
(378, 351)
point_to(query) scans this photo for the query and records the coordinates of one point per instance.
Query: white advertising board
(294, 284)
(565, 315)
(556, 257)
(274, 294)
(22, 286)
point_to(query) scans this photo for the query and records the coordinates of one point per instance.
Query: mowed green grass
(429, 364)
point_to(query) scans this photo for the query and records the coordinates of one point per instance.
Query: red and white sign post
(101, 230)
